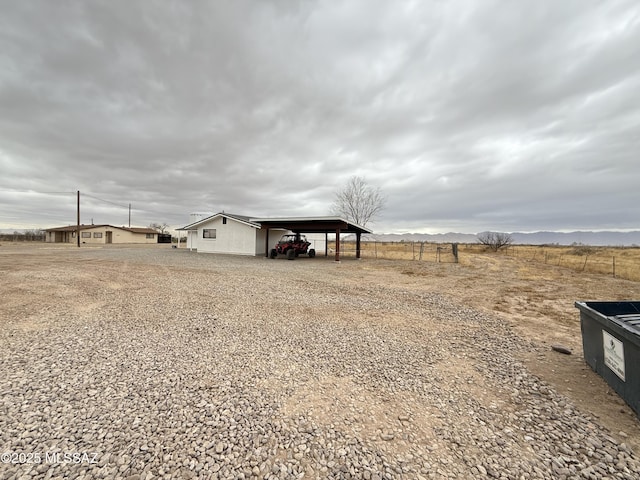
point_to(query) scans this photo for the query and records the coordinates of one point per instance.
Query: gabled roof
(73, 228)
(241, 218)
(238, 218)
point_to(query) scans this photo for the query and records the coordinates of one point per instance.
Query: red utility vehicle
(293, 245)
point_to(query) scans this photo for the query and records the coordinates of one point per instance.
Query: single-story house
(101, 234)
(243, 235)
(228, 233)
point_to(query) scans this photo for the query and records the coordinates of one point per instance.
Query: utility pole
(78, 225)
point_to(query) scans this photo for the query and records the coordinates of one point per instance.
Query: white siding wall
(192, 239)
(317, 241)
(235, 237)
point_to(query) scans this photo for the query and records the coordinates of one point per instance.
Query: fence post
(614, 266)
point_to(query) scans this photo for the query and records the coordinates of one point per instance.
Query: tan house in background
(101, 234)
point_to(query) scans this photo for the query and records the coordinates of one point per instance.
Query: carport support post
(326, 244)
(358, 234)
(337, 244)
(266, 244)
(78, 226)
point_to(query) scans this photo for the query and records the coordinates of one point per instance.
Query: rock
(197, 367)
(561, 349)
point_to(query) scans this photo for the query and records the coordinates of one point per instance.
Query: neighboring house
(101, 234)
(228, 233)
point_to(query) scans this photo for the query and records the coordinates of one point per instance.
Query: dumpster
(611, 344)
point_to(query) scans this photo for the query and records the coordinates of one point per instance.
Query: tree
(358, 202)
(495, 240)
(162, 228)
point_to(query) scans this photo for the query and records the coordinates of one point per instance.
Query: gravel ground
(143, 363)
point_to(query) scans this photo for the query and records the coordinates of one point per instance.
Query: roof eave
(194, 226)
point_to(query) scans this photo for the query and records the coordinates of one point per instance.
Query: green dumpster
(611, 344)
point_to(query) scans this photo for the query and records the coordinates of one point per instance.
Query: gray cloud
(468, 115)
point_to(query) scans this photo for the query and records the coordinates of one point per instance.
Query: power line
(14, 190)
(83, 193)
(103, 200)
(144, 210)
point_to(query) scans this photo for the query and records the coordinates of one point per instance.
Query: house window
(150, 235)
(73, 234)
(209, 233)
(224, 220)
(86, 234)
(97, 234)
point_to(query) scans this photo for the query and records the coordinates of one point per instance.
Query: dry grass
(619, 262)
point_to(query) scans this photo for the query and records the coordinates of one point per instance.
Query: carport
(324, 225)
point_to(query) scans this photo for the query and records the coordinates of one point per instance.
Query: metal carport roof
(324, 225)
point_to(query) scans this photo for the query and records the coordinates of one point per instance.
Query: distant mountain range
(535, 238)
(600, 238)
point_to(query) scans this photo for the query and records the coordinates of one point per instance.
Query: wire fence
(618, 262)
(419, 251)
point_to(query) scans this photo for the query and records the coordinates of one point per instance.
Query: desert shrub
(582, 250)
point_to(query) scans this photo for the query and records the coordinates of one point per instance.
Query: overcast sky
(468, 115)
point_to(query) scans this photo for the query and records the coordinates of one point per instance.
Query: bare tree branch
(495, 240)
(358, 201)
(162, 228)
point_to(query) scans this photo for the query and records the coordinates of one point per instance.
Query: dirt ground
(536, 299)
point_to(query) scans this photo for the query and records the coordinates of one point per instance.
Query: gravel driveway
(143, 363)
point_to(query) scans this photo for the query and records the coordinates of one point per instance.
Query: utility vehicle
(292, 245)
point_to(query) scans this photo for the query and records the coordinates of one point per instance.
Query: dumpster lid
(626, 314)
(632, 320)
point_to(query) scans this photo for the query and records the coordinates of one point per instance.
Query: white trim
(195, 225)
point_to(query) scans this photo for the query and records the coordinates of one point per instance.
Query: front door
(108, 237)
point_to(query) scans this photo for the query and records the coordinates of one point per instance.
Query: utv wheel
(312, 253)
(291, 254)
(274, 253)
